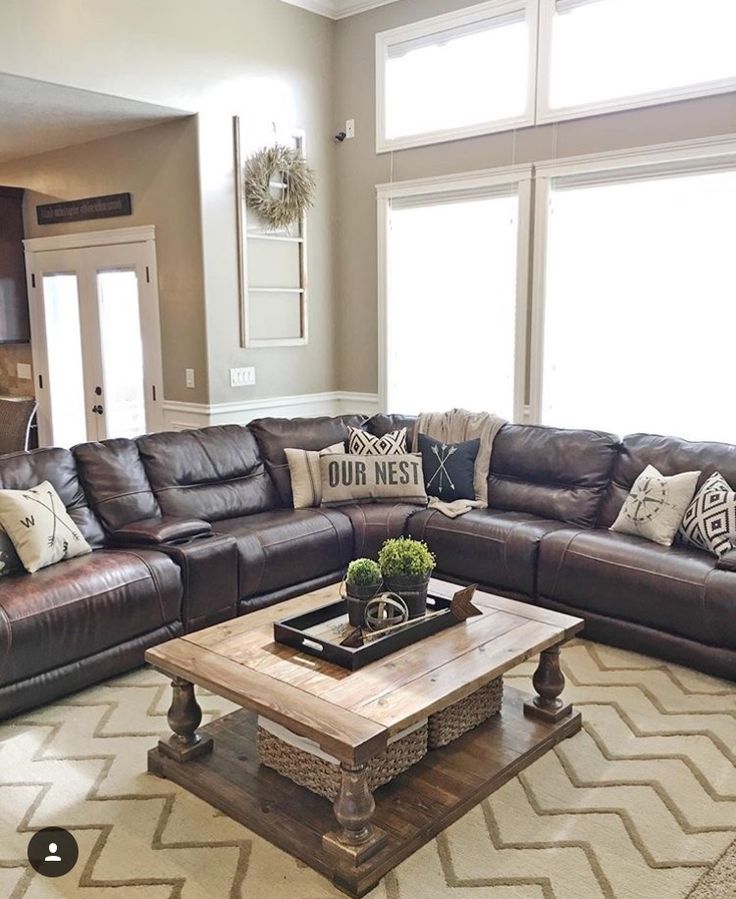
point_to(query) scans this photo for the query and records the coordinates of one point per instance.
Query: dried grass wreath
(289, 166)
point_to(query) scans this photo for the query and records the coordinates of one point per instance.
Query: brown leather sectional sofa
(195, 527)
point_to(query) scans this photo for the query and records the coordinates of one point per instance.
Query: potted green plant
(406, 566)
(363, 581)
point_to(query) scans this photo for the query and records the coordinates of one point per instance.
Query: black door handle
(98, 410)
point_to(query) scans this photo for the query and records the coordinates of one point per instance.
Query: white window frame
(437, 25)
(661, 160)
(546, 113)
(479, 183)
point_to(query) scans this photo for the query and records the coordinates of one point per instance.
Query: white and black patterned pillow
(656, 504)
(710, 521)
(361, 443)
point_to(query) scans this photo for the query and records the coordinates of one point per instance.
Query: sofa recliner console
(194, 527)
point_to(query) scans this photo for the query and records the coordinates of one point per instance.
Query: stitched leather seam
(245, 477)
(155, 582)
(109, 499)
(598, 486)
(334, 528)
(657, 574)
(563, 556)
(452, 531)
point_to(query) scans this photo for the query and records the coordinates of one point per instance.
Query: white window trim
(518, 177)
(436, 25)
(656, 161)
(135, 234)
(546, 113)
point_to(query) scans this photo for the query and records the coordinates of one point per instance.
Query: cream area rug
(641, 804)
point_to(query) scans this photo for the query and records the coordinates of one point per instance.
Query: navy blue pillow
(448, 468)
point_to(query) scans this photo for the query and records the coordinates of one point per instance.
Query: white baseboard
(182, 416)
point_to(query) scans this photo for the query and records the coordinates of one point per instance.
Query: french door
(96, 339)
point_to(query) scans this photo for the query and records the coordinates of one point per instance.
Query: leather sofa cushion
(287, 546)
(212, 473)
(274, 435)
(551, 472)
(115, 482)
(669, 455)
(375, 522)
(673, 589)
(83, 606)
(380, 425)
(23, 470)
(495, 549)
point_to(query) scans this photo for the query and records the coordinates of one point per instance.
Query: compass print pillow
(656, 505)
(39, 526)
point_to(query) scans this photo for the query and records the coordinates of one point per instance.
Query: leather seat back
(115, 482)
(212, 473)
(22, 471)
(669, 455)
(551, 472)
(274, 435)
(381, 424)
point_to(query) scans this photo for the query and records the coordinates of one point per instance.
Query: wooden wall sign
(83, 210)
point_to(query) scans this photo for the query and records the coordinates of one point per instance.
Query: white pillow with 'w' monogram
(39, 526)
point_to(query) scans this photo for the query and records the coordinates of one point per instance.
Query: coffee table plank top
(352, 713)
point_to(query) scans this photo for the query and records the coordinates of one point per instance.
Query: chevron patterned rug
(641, 804)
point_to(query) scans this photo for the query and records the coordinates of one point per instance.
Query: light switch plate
(350, 129)
(189, 373)
(24, 371)
(243, 377)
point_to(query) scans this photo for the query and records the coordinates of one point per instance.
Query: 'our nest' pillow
(710, 521)
(361, 443)
(39, 526)
(306, 479)
(656, 505)
(449, 468)
(359, 479)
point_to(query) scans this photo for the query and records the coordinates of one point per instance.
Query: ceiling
(338, 9)
(36, 116)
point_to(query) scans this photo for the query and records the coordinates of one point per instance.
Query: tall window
(640, 305)
(469, 72)
(613, 53)
(451, 302)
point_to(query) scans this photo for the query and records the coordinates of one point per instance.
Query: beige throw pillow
(360, 479)
(656, 505)
(39, 526)
(306, 480)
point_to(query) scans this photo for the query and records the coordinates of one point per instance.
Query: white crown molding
(338, 9)
(180, 416)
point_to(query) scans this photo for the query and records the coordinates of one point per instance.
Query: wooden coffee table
(351, 715)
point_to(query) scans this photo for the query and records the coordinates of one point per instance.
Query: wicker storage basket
(457, 719)
(323, 777)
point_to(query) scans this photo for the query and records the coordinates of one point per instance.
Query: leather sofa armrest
(157, 531)
(209, 573)
(727, 562)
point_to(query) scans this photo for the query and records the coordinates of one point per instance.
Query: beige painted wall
(158, 166)
(359, 168)
(263, 59)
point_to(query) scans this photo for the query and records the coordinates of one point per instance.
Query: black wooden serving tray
(293, 632)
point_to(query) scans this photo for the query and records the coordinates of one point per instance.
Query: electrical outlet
(243, 377)
(350, 129)
(24, 371)
(189, 372)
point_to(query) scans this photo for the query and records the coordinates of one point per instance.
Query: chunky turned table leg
(354, 808)
(549, 682)
(184, 718)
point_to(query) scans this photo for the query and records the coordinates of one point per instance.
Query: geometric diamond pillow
(361, 443)
(37, 522)
(710, 521)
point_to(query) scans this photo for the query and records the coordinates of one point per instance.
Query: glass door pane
(451, 305)
(65, 371)
(122, 353)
